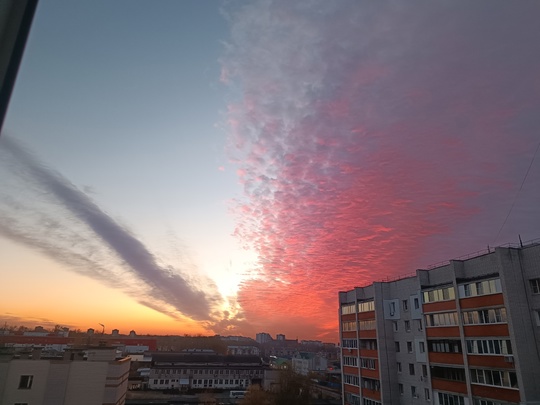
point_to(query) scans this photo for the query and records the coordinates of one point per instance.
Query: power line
(517, 194)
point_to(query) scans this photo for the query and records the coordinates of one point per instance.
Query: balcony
(353, 389)
(496, 393)
(443, 331)
(372, 394)
(481, 301)
(446, 358)
(493, 329)
(459, 387)
(366, 372)
(439, 306)
(367, 334)
(364, 316)
(369, 353)
(491, 361)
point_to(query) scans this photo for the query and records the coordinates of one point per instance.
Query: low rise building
(86, 376)
(306, 362)
(205, 370)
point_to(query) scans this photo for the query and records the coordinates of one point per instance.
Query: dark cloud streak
(162, 284)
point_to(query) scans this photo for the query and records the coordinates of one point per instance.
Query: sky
(229, 167)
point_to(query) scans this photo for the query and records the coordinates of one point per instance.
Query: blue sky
(124, 99)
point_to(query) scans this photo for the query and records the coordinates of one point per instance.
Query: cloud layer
(43, 210)
(374, 138)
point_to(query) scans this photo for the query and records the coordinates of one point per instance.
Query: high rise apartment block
(465, 333)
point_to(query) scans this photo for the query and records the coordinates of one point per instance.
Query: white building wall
(86, 383)
(39, 371)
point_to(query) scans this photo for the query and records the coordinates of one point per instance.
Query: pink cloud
(374, 139)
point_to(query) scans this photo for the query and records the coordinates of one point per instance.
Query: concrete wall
(16, 368)
(517, 267)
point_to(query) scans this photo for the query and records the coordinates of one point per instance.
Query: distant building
(205, 370)
(81, 377)
(263, 337)
(243, 349)
(306, 362)
(311, 343)
(465, 333)
(280, 337)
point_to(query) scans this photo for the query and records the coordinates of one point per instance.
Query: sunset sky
(228, 167)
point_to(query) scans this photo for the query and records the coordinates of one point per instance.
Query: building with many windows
(205, 371)
(466, 333)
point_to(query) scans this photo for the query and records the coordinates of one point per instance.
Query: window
(535, 285)
(489, 346)
(411, 369)
(422, 347)
(416, 303)
(367, 401)
(413, 392)
(397, 347)
(398, 367)
(450, 399)
(400, 386)
(371, 384)
(405, 305)
(478, 401)
(409, 347)
(392, 308)
(444, 346)
(348, 326)
(442, 319)
(350, 361)
(351, 379)
(367, 363)
(480, 288)
(440, 294)
(366, 325)
(25, 382)
(424, 370)
(494, 315)
(537, 317)
(408, 326)
(395, 326)
(366, 306)
(368, 344)
(419, 325)
(350, 343)
(352, 399)
(496, 378)
(348, 309)
(448, 373)
(427, 394)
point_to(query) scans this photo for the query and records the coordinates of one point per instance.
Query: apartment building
(465, 333)
(88, 376)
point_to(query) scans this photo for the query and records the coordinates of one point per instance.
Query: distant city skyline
(228, 168)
